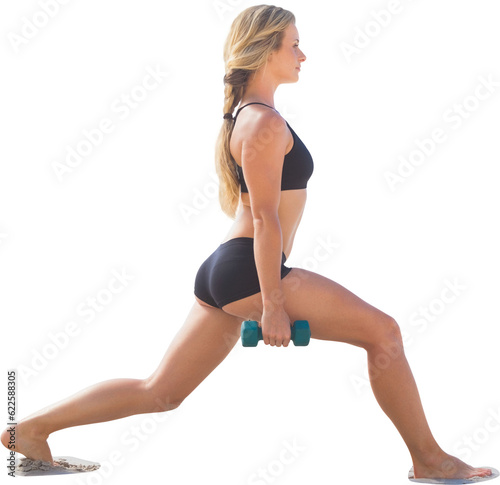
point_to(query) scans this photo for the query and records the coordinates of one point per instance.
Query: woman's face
(285, 62)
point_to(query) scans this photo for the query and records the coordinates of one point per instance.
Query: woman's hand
(275, 325)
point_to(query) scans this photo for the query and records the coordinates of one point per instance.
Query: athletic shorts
(230, 273)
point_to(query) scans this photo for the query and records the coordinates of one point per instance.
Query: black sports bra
(298, 164)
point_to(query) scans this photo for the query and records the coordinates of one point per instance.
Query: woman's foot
(447, 466)
(26, 441)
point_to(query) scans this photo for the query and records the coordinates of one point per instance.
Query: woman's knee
(387, 333)
(159, 396)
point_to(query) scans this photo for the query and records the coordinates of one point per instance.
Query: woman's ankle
(429, 456)
(32, 428)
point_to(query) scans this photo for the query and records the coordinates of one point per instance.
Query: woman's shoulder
(259, 126)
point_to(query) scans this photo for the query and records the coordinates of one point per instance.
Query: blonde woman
(263, 168)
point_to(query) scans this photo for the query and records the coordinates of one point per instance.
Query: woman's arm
(263, 153)
(268, 246)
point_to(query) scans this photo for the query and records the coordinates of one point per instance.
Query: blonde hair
(254, 34)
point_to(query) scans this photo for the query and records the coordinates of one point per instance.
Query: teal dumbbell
(251, 333)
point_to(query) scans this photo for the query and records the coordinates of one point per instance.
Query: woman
(246, 278)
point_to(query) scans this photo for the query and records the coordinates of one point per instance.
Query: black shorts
(230, 273)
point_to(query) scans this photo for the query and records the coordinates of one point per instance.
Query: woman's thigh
(333, 312)
(201, 344)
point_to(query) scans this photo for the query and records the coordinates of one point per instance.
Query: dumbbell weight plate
(301, 333)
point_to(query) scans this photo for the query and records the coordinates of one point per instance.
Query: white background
(121, 207)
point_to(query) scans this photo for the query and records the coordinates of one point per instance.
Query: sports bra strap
(255, 102)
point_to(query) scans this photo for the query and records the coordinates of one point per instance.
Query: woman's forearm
(268, 247)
